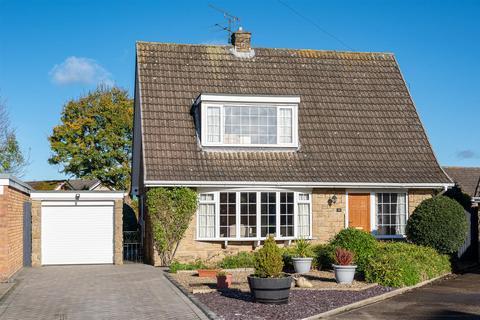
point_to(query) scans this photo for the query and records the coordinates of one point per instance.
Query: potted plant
(224, 280)
(269, 284)
(344, 269)
(302, 261)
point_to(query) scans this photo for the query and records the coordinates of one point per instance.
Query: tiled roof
(468, 178)
(357, 122)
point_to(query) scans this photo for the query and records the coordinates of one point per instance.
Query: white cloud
(80, 70)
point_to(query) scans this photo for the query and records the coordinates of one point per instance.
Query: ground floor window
(254, 215)
(391, 213)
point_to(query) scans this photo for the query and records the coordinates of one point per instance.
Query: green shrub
(361, 243)
(239, 260)
(398, 264)
(302, 249)
(324, 256)
(438, 222)
(176, 266)
(268, 260)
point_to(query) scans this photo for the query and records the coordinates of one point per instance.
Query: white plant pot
(344, 274)
(302, 265)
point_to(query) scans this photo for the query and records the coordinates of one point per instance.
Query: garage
(76, 227)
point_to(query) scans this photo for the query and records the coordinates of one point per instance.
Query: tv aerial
(232, 22)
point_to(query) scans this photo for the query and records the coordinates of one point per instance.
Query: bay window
(253, 215)
(391, 212)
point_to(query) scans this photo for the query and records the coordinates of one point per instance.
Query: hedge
(398, 264)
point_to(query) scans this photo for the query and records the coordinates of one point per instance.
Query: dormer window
(248, 121)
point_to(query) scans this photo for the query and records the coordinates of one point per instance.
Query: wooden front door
(359, 211)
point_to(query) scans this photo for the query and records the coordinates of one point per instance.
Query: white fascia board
(72, 195)
(239, 184)
(476, 199)
(208, 97)
(9, 181)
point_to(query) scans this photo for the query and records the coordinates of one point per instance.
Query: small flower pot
(302, 265)
(224, 282)
(207, 273)
(344, 274)
(270, 290)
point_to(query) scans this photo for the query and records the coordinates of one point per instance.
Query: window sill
(390, 237)
(249, 239)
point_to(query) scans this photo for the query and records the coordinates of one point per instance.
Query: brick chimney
(241, 40)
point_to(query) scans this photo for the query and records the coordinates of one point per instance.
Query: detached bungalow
(296, 143)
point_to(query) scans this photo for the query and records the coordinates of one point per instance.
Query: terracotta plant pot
(224, 282)
(207, 273)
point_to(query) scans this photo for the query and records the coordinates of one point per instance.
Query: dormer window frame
(214, 105)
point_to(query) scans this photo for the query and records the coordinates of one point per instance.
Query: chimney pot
(241, 40)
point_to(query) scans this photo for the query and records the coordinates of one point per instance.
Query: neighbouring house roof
(357, 121)
(73, 184)
(467, 178)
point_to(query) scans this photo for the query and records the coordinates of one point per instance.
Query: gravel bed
(234, 304)
(321, 280)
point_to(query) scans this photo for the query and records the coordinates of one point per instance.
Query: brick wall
(328, 220)
(11, 231)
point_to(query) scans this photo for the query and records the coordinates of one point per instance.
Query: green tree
(95, 137)
(12, 159)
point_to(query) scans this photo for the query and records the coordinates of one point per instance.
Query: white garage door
(77, 234)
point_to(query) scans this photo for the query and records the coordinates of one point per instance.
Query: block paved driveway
(131, 291)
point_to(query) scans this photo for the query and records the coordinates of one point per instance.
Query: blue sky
(53, 51)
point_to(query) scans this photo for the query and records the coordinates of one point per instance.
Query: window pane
(303, 225)
(248, 214)
(250, 125)
(213, 124)
(391, 213)
(285, 125)
(206, 220)
(227, 215)
(268, 213)
(286, 214)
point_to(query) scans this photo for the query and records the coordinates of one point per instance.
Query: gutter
(219, 184)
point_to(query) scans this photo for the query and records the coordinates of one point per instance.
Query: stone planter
(224, 282)
(344, 274)
(207, 273)
(270, 290)
(302, 265)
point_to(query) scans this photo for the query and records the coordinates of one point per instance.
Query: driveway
(131, 291)
(454, 298)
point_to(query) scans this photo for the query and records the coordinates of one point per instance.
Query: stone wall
(118, 232)
(327, 221)
(12, 203)
(416, 196)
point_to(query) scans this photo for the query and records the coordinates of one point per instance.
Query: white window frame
(237, 237)
(373, 209)
(222, 105)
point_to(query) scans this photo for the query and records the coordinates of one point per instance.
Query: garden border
(372, 300)
(356, 305)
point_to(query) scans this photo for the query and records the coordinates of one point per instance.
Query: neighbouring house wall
(327, 221)
(12, 203)
(416, 196)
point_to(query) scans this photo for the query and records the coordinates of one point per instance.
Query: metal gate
(27, 234)
(132, 246)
